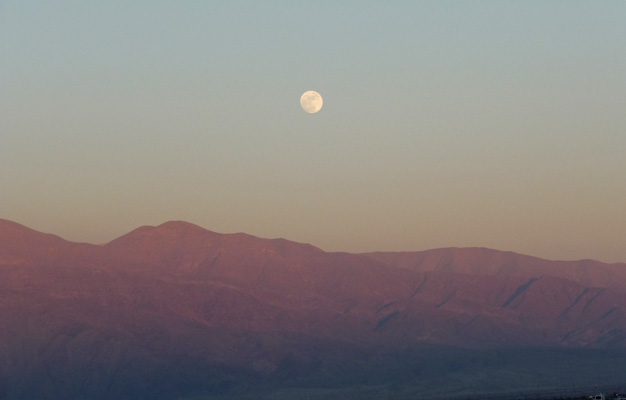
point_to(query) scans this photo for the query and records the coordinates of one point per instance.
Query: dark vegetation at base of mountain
(418, 372)
(449, 373)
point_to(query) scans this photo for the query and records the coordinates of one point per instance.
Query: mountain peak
(20, 244)
(180, 226)
(166, 230)
(9, 227)
(12, 232)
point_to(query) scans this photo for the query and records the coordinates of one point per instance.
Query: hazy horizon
(445, 124)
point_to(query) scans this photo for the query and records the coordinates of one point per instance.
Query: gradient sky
(445, 123)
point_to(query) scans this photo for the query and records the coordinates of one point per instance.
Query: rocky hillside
(176, 310)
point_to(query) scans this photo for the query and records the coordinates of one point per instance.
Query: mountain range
(179, 312)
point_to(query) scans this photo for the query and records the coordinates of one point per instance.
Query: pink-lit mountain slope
(449, 296)
(569, 301)
(176, 309)
(482, 261)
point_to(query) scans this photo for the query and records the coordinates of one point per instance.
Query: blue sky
(445, 123)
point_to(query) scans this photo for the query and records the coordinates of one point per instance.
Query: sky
(445, 123)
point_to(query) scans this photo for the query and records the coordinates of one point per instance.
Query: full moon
(311, 102)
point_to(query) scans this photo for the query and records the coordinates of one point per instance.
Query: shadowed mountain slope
(482, 261)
